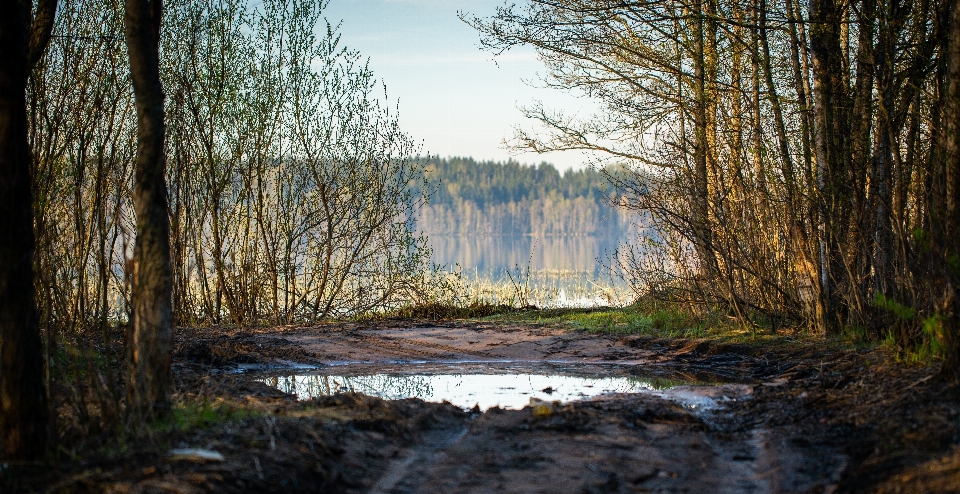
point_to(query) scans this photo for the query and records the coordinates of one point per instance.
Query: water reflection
(557, 271)
(466, 390)
(491, 255)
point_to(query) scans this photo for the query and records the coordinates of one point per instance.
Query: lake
(556, 270)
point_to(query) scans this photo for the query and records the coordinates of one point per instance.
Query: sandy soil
(806, 418)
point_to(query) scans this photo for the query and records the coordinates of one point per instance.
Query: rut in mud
(789, 417)
(631, 442)
(617, 444)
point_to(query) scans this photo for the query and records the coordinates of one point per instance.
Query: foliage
(793, 161)
(289, 181)
(891, 305)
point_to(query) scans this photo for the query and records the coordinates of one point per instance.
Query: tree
(851, 149)
(949, 149)
(150, 332)
(831, 147)
(24, 414)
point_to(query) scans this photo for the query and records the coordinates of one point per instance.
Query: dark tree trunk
(880, 169)
(151, 327)
(700, 196)
(861, 125)
(949, 144)
(831, 147)
(24, 416)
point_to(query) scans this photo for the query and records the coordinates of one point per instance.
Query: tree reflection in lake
(496, 253)
(553, 271)
(466, 390)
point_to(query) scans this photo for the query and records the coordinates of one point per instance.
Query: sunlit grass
(537, 297)
(455, 295)
(659, 320)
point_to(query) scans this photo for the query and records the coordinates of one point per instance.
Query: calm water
(558, 271)
(492, 255)
(490, 386)
(463, 390)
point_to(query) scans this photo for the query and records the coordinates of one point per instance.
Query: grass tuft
(655, 320)
(438, 311)
(191, 415)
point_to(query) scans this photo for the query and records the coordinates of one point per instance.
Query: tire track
(408, 348)
(452, 349)
(409, 474)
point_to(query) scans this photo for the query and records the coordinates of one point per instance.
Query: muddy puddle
(507, 385)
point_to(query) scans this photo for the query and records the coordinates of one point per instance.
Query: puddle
(507, 388)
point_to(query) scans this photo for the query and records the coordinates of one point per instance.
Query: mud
(808, 418)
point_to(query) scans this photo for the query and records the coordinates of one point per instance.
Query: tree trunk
(831, 118)
(151, 326)
(700, 220)
(878, 207)
(949, 144)
(24, 415)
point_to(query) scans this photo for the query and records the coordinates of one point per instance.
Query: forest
(263, 183)
(190, 189)
(492, 198)
(795, 161)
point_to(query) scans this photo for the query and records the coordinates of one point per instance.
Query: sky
(452, 96)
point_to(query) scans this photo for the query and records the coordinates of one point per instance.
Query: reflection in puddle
(465, 390)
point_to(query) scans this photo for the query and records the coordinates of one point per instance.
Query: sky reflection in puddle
(505, 390)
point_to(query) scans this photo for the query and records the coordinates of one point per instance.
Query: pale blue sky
(451, 95)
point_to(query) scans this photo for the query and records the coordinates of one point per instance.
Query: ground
(799, 416)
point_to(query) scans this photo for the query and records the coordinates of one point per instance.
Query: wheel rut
(412, 348)
(409, 473)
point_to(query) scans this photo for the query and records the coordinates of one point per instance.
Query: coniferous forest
(492, 198)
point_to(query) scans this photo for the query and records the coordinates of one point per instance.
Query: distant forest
(495, 198)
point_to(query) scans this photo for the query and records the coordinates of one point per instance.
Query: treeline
(798, 160)
(495, 198)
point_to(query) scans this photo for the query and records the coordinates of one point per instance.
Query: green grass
(190, 415)
(663, 323)
(656, 321)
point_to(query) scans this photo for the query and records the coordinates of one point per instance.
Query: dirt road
(787, 417)
(618, 443)
(390, 343)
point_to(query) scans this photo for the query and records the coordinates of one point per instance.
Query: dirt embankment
(814, 419)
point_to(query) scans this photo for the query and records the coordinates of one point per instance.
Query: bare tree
(24, 417)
